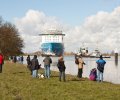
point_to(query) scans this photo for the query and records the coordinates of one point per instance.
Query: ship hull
(52, 49)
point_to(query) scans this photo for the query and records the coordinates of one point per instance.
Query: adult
(1, 62)
(21, 59)
(100, 68)
(28, 60)
(47, 61)
(11, 58)
(80, 66)
(29, 63)
(14, 59)
(61, 67)
(34, 66)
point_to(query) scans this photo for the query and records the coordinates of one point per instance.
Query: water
(111, 70)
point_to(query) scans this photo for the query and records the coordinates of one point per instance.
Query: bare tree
(10, 41)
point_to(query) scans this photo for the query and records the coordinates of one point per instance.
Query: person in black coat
(61, 67)
(14, 59)
(21, 59)
(29, 63)
(28, 60)
(34, 66)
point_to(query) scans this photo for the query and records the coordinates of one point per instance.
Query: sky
(94, 23)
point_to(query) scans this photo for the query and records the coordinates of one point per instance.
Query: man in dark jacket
(29, 63)
(28, 60)
(34, 66)
(47, 61)
(1, 62)
(61, 67)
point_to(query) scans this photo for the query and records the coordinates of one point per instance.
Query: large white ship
(52, 43)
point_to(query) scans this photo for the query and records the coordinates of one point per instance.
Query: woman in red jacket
(1, 62)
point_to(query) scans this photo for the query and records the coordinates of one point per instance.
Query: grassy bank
(16, 83)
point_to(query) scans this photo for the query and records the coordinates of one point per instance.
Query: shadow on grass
(76, 79)
(54, 76)
(20, 72)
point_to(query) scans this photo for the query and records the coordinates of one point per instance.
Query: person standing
(14, 59)
(100, 68)
(1, 62)
(28, 60)
(80, 66)
(29, 63)
(34, 66)
(61, 67)
(47, 61)
(10, 58)
(21, 59)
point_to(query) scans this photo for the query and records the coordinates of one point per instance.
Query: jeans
(62, 74)
(34, 73)
(47, 71)
(99, 76)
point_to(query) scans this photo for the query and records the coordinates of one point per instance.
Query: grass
(16, 83)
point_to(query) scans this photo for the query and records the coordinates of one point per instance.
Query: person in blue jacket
(100, 68)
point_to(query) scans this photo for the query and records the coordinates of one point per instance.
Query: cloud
(34, 23)
(100, 30)
(32, 43)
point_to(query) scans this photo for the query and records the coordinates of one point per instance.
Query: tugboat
(96, 53)
(83, 51)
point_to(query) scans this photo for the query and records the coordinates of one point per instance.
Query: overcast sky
(96, 23)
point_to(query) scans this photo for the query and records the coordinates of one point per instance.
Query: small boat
(83, 51)
(96, 53)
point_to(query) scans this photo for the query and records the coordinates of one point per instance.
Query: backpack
(101, 69)
(76, 61)
(93, 74)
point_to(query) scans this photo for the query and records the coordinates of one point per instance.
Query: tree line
(10, 41)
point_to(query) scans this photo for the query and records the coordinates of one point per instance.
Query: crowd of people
(33, 65)
(15, 59)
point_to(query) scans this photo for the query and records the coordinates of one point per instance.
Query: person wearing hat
(61, 67)
(1, 62)
(100, 68)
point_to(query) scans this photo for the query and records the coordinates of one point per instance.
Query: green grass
(16, 83)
